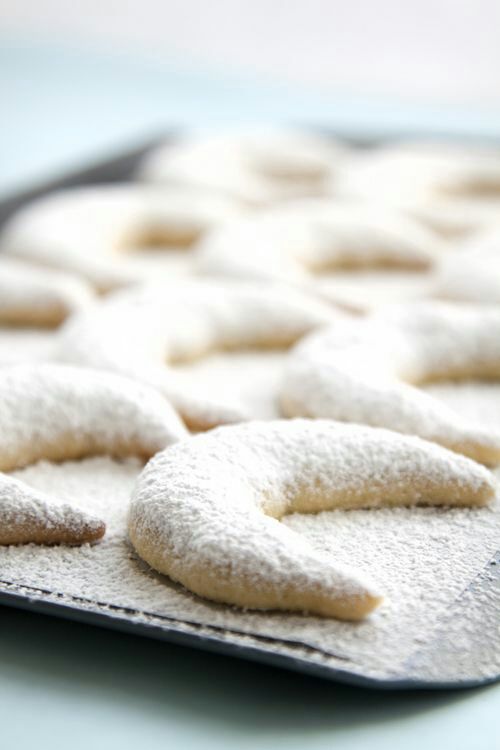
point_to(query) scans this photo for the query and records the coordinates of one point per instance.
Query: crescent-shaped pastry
(89, 230)
(302, 238)
(141, 333)
(35, 296)
(27, 515)
(206, 511)
(366, 371)
(59, 413)
(259, 166)
(418, 171)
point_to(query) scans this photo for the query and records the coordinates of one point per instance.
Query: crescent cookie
(295, 241)
(416, 171)
(206, 511)
(140, 333)
(34, 296)
(88, 230)
(366, 370)
(455, 216)
(259, 167)
(58, 413)
(27, 515)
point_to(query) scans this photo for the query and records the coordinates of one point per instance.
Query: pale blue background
(64, 685)
(61, 105)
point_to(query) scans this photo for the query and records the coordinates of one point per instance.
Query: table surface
(80, 686)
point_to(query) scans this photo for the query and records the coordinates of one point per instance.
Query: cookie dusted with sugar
(257, 166)
(453, 189)
(39, 297)
(416, 171)
(206, 512)
(91, 231)
(302, 238)
(142, 333)
(27, 515)
(58, 412)
(455, 217)
(366, 371)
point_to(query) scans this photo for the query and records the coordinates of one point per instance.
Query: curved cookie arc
(257, 166)
(58, 412)
(304, 238)
(36, 296)
(205, 512)
(366, 372)
(90, 230)
(30, 516)
(142, 334)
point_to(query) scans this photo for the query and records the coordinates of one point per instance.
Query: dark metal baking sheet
(477, 649)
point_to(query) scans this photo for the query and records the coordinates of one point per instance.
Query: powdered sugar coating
(30, 295)
(455, 190)
(421, 557)
(137, 333)
(60, 412)
(455, 216)
(301, 238)
(88, 230)
(365, 370)
(412, 172)
(257, 166)
(204, 512)
(28, 515)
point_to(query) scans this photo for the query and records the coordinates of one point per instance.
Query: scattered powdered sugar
(207, 501)
(423, 558)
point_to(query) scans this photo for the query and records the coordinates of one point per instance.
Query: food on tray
(411, 172)
(138, 332)
(205, 512)
(27, 515)
(92, 231)
(366, 370)
(277, 208)
(58, 412)
(302, 238)
(259, 167)
(39, 297)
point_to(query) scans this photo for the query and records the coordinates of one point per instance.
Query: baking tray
(472, 647)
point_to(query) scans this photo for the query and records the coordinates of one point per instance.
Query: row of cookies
(356, 370)
(325, 208)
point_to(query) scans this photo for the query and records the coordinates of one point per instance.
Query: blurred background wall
(431, 49)
(78, 79)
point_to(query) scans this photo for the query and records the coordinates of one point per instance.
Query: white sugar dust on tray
(422, 558)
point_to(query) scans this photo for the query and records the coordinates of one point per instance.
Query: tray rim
(113, 617)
